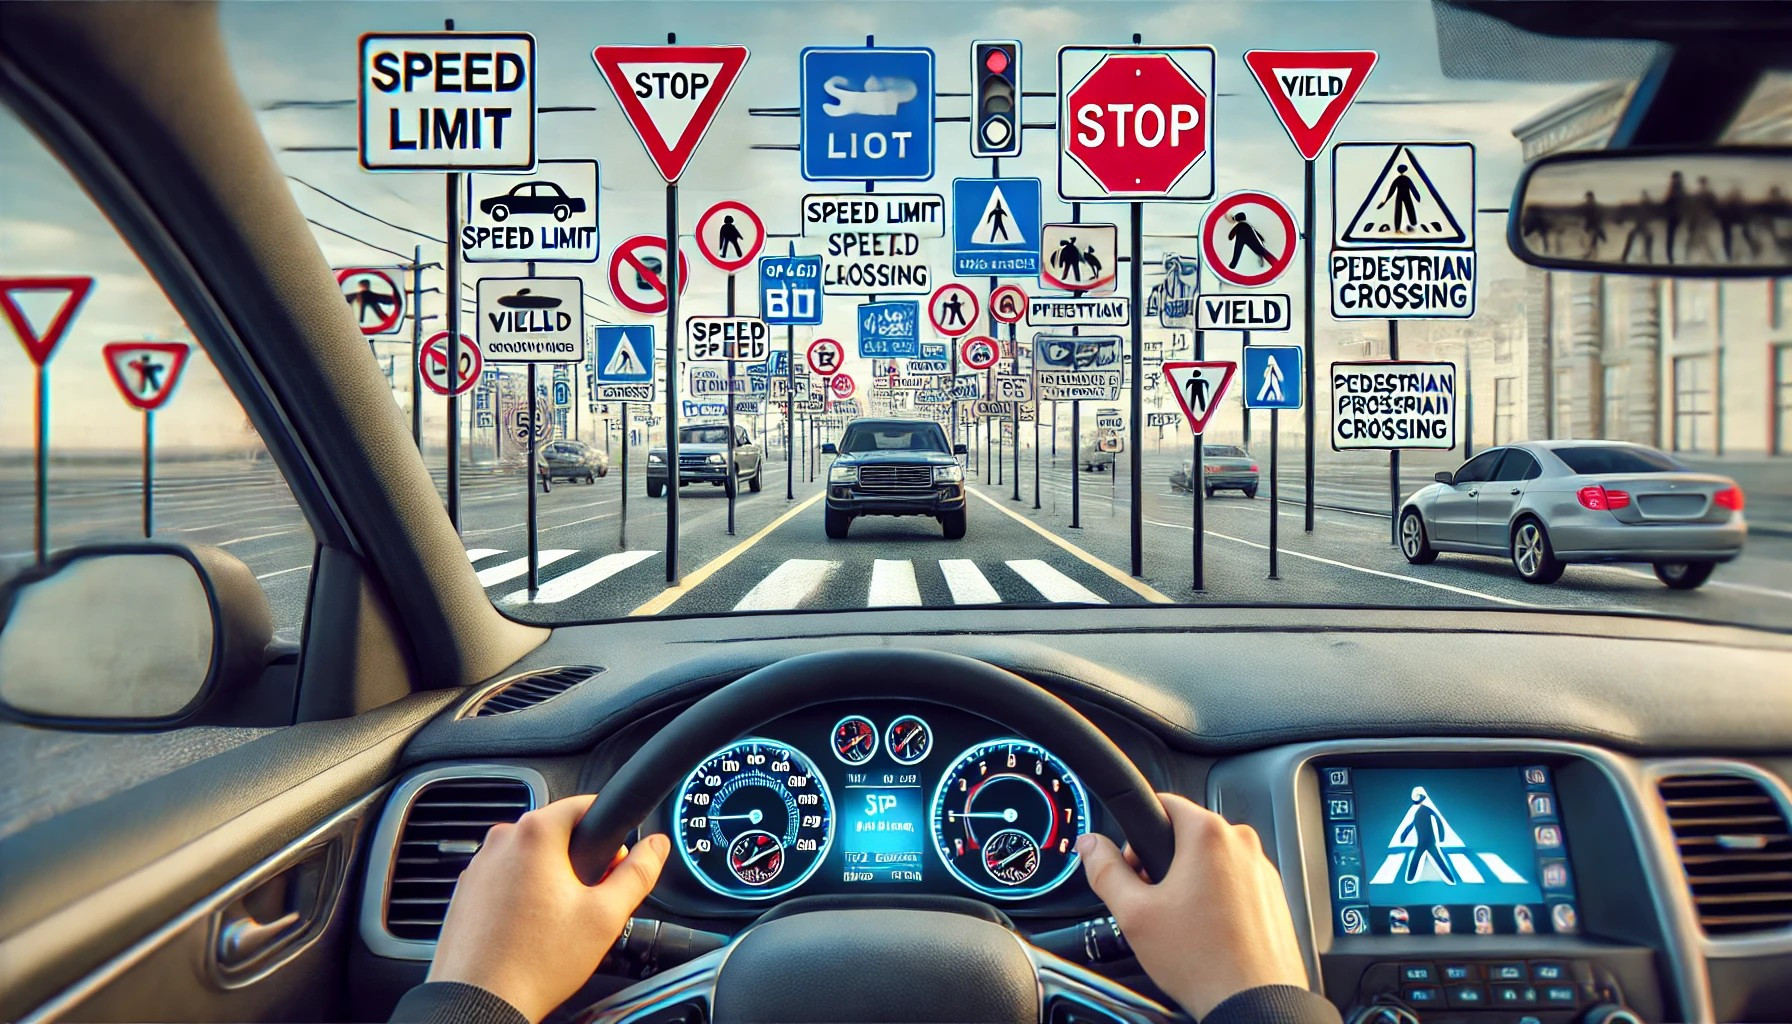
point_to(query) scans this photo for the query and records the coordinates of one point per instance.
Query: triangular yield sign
(1310, 90)
(39, 344)
(1198, 388)
(670, 94)
(146, 371)
(1403, 206)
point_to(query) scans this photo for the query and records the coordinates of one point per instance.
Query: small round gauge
(754, 819)
(1006, 817)
(909, 740)
(855, 739)
(1011, 856)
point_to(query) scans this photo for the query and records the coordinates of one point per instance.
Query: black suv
(895, 468)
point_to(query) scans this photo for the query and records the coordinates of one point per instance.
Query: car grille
(690, 461)
(1671, 506)
(895, 478)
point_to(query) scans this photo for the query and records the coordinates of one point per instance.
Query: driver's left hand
(521, 924)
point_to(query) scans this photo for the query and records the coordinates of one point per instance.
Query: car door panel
(1500, 497)
(1454, 510)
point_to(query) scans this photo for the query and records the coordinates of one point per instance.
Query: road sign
(1393, 404)
(1014, 387)
(1008, 303)
(995, 227)
(995, 98)
(953, 310)
(610, 391)
(527, 428)
(889, 329)
(726, 227)
(790, 290)
(1077, 368)
(729, 339)
(549, 216)
(867, 114)
(1082, 258)
(432, 362)
(562, 394)
(40, 343)
(1272, 376)
(1403, 230)
(1310, 90)
(873, 240)
(532, 319)
(1109, 418)
(670, 94)
(841, 386)
(146, 371)
(1173, 298)
(1230, 312)
(919, 213)
(1248, 238)
(448, 101)
(1135, 123)
(625, 353)
(638, 274)
(1050, 311)
(374, 297)
(979, 352)
(1198, 388)
(1162, 419)
(826, 357)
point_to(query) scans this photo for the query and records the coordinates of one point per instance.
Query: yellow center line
(1116, 575)
(665, 598)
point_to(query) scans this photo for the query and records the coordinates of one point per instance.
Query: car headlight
(717, 460)
(843, 474)
(655, 457)
(948, 474)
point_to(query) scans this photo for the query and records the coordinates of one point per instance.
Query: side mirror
(959, 449)
(1444, 476)
(120, 636)
(829, 449)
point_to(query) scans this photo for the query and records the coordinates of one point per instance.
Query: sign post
(732, 225)
(1198, 388)
(1273, 376)
(146, 373)
(625, 364)
(39, 347)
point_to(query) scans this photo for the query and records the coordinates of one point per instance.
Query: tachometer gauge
(755, 819)
(855, 739)
(909, 740)
(1006, 817)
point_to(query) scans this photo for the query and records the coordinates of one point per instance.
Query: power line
(352, 238)
(348, 205)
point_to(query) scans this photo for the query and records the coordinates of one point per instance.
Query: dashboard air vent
(1736, 847)
(530, 690)
(442, 831)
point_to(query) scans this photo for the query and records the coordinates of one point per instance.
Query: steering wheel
(892, 962)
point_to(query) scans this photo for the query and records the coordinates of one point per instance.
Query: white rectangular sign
(605, 391)
(877, 213)
(1393, 404)
(737, 339)
(1046, 311)
(547, 216)
(1162, 419)
(1241, 312)
(1396, 284)
(1014, 387)
(448, 101)
(532, 319)
(1109, 419)
(1079, 385)
(870, 263)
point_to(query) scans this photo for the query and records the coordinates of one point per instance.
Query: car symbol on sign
(543, 197)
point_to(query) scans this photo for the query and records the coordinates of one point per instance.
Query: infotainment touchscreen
(1446, 851)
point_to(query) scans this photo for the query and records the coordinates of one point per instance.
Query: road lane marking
(787, 586)
(1053, 585)
(579, 580)
(506, 571)
(282, 572)
(665, 598)
(966, 582)
(475, 554)
(242, 540)
(1726, 584)
(1136, 586)
(893, 584)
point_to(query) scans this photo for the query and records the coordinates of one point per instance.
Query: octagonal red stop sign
(1137, 124)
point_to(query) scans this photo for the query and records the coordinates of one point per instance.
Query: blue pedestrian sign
(1272, 377)
(890, 330)
(777, 362)
(624, 353)
(790, 290)
(867, 114)
(995, 227)
(562, 393)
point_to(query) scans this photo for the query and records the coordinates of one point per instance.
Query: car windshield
(703, 435)
(1611, 459)
(866, 437)
(1225, 451)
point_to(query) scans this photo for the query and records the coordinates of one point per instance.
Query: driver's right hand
(1217, 925)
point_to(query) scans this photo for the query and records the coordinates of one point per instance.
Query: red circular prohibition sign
(1217, 218)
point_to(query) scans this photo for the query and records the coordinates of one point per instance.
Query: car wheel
(837, 523)
(547, 484)
(952, 524)
(1209, 492)
(758, 482)
(562, 212)
(1250, 492)
(603, 471)
(655, 490)
(591, 479)
(1684, 575)
(1414, 543)
(500, 211)
(1532, 554)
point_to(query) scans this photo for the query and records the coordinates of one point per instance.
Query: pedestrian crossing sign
(624, 353)
(995, 227)
(1404, 195)
(146, 371)
(1425, 848)
(1273, 377)
(1198, 388)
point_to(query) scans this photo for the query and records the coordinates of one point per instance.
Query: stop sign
(1137, 124)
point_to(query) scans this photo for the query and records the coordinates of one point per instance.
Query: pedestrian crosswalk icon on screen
(1425, 848)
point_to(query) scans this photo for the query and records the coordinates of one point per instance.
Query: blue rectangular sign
(1273, 377)
(790, 290)
(853, 132)
(936, 350)
(890, 330)
(995, 227)
(625, 353)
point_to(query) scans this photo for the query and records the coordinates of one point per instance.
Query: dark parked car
(1225, 467)
(895, 468)
(570, 460)
(703, 459)
(533, 197)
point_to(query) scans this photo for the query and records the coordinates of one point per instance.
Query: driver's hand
(523, 927)
(1217, 925)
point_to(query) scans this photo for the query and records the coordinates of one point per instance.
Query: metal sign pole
(149, 472)
(1197, 478)
(789, 412)
(417, 346)
(1014, 346)
(1394, 455)
(1137, 463)
(42, 531)
(1274, 490)
(733, 484)
(673, 471)
(1306, 227)
(1076, 476)
(453, 369)
(622, 510)
(531, 456)
(1247, 409)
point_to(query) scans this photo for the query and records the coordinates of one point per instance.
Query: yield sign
(1310, 89)
(638, 274)
(39, 344)
(146, 371)
(1198, 388)
(670, 94)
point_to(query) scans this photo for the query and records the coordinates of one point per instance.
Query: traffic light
(995, 100)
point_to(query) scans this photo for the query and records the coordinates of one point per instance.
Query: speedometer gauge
(1006, 817)
(755, 819)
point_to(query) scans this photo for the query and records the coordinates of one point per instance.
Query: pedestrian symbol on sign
(1404, 206)
(1271, 391)
(1425, 848)
(1197, 393)
(994, 225)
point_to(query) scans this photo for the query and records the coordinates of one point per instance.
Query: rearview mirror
(1665, 213)
(1444, 476)
(129, 635)
(959, 449)
(829, 449)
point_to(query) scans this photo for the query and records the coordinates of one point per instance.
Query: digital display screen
(1446, 851)
(883, 833)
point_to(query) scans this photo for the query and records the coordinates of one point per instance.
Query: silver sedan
(1544, 504)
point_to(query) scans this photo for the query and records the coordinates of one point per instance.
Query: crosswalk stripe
(579, 580)
(1053, 585)
(893, 584)
(475, 554)
(788, 586)
(506, 571)
(967, 583)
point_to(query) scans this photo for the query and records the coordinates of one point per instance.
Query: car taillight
(1730, 498)
(1599, 498)
(1211, 469)
(1253, 467)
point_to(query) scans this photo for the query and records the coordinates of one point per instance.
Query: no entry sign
(1135, 123)
(432, 362)
(638, 274)
(146, 371)
(374, 298)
